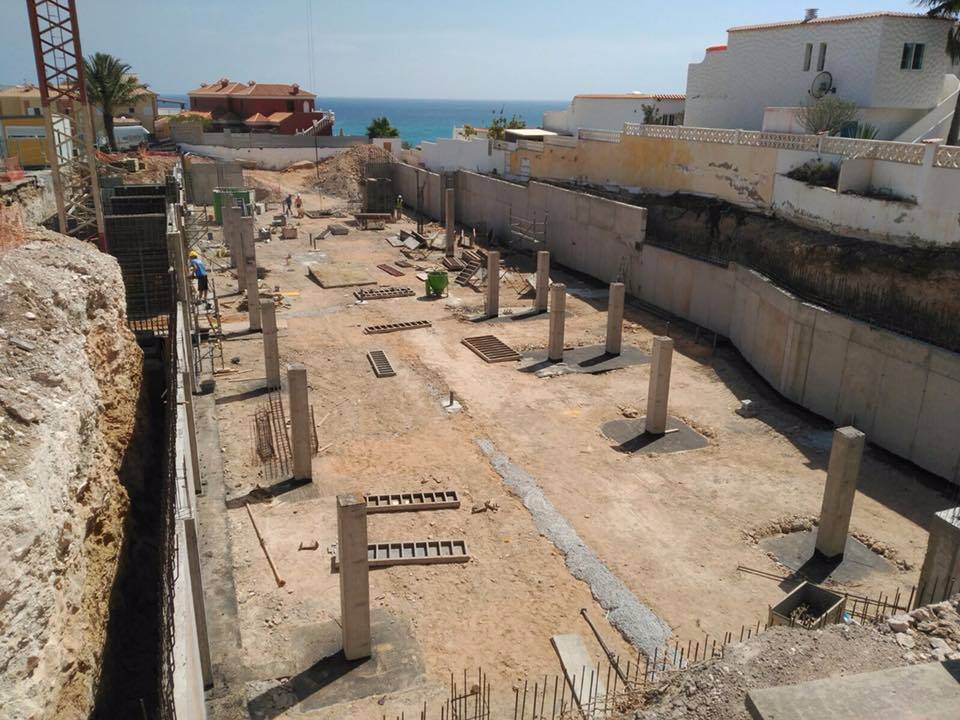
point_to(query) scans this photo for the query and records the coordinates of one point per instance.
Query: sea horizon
(420, 119)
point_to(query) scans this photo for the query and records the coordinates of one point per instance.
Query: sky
(496, 49)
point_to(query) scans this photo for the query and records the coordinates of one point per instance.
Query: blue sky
(410, 48)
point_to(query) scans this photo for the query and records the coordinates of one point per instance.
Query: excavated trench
(129, 676)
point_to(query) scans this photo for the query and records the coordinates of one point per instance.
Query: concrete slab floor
(683, 516)
(591, 359)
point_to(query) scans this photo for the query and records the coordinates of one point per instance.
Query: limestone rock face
(70, 375)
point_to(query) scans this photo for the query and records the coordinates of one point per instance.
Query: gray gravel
(638, 623)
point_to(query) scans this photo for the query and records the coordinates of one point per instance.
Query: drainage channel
(637, 622)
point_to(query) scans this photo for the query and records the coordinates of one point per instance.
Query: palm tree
(948, 9)
(381, 128)
(110, 85)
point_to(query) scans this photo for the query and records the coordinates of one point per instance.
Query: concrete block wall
(202, 177)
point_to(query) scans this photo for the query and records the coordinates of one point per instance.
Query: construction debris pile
(717, 689)
(68, 402)
(343, 174)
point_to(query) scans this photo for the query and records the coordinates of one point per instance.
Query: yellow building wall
(30, 151)
(736, 173)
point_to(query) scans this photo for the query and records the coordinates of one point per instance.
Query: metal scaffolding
(69, 124)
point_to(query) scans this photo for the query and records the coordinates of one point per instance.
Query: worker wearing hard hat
(199, 271)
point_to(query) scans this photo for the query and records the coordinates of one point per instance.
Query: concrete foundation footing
(842, 474)
(658, 391)
(300, 427)
(354, 576)
(558, 310)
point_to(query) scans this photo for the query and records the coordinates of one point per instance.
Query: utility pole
(69, 123)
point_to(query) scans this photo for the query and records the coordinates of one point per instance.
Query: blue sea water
(419, 120)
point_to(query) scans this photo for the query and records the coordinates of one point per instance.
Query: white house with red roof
(893, 65)
(609, 111)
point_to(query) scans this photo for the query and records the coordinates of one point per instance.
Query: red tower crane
(69, 123)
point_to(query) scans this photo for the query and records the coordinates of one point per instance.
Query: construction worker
(398, 209)
(298, 203)
(199, 271)
(287, 204)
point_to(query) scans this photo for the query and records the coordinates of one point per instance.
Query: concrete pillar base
(615, 319)
(543, 280)
(658, 390)
(558, 316)
(301, 431)
(354, 576)
(841, 487)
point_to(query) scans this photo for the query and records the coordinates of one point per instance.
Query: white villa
(610, 111)
(893, 65)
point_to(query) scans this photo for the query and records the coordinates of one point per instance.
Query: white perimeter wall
(586, 113)
(476, 153)
(266, 158)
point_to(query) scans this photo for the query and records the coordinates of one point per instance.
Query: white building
(892, 65)
(611, 111)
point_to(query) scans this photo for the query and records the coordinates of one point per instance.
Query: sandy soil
(674, 527)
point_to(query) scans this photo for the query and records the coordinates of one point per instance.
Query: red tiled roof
(716, 48)
(631, 96)
(279, 116)
(252, 89)
(834, 19)
(258, 118)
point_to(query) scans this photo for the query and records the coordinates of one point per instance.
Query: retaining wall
(903, 393)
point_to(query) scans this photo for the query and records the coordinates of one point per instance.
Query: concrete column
(185, 379)
(249, 270)
(196, 591)
(354, 576)
(301, 432)
(558, 310)
(658, 391)
(229, 229)
(941, 564)
(450, 197)
(271, 349)
(543, 280)
(615, 318)
(493, 284)
(842, 474)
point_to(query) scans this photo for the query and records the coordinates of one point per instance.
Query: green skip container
(437, 282)
(222, 195)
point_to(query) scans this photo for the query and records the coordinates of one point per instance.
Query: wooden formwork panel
(390, 270)
(491, 348)
(467, 273)
(412, 501)
(415, 552)
(395, 327)
(381, 293)
(380, 364)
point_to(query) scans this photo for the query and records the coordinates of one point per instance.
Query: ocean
(419, 120)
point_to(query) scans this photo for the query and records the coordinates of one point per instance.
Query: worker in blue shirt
(199, 271)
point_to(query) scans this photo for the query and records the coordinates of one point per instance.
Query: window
(912, 56)
(822, 57)
(807, 55)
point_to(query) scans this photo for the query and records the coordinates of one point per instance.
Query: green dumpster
(437, 282)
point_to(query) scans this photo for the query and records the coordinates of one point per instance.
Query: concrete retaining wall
(901, 392)
(265, 158)
(202, 177)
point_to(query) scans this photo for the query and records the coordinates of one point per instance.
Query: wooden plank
(395, 327)
(491, 348)
(578, 668)
(381, 365)
(415, 552)
(336, 276)
(412, 501)
(390, 270)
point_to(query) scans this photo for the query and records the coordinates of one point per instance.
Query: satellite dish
(822, 84)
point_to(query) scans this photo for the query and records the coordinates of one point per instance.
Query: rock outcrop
(70, 374)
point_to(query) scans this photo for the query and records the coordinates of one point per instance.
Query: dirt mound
(69, 381)
(342, 175)
(717, 689)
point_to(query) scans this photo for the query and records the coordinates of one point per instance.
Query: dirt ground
(674, 528)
